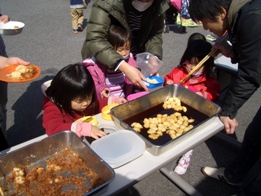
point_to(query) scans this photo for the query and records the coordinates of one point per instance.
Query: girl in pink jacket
(113, 82)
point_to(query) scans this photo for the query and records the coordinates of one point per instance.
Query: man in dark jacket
(241, 18)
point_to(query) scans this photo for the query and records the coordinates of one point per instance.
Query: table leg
(180, 182)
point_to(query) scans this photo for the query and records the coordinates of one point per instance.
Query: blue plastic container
(153, 85)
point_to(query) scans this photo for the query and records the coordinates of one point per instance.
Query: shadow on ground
(27, 114)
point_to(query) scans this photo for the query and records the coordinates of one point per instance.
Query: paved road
(47, 40)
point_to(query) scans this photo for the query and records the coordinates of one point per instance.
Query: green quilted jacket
(107, 12)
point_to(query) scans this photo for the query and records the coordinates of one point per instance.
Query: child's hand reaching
(168, 82)
(87, 129)
(118, 100)
(121, 100)
(96, 133)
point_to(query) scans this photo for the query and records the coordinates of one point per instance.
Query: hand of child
(96, 133)
(121, 100)
(200, 93)
(87, 129)
(105, 92)
(168, 82)
(118, 100)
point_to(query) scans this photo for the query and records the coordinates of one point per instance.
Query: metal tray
(37, 153)
(199, 108)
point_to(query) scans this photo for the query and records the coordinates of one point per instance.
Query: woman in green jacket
(143, 18)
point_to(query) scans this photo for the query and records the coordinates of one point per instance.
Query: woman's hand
(4, 62)
(96, 133)
(230, 124)
(133, 74)
(4, 18)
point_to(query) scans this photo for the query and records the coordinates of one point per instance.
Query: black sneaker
(218, 174)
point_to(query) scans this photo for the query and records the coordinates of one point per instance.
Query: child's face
(191, 64)
(124, 50)
(80, 105)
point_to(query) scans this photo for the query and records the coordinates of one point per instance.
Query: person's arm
(133, 74)
(96, 42)
(4, 61)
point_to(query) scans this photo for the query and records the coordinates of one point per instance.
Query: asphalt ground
(47, 40)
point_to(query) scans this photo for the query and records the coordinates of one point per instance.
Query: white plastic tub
(119, 148)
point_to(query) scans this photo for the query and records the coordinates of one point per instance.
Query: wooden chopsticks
(202, 61)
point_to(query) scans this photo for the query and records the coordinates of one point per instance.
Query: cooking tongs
(199, 65)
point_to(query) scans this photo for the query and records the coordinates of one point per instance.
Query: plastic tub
(153, 81)
(119, 148)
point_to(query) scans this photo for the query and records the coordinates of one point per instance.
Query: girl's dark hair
(196, 36)
(197, 50)
(118, 36)
(199, 9)
(73, 81)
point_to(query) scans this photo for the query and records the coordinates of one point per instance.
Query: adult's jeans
(3, 102)
(3, 92)
(249, 152)
(253, 188)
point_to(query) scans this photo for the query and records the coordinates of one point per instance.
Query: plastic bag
(148, 62)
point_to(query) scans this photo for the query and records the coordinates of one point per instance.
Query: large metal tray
(37, 153)
(199, 108)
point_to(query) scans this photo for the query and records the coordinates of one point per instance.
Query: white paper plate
(119, 148)
(11, 28)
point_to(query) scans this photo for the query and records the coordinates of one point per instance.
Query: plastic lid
(119, 148)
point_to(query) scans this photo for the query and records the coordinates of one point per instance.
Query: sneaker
(79, 27)
(75, 31)
(218, 174)
(183, 163)
(182, 166)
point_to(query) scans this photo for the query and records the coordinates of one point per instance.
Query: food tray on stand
(198, 108)
(36, 155)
